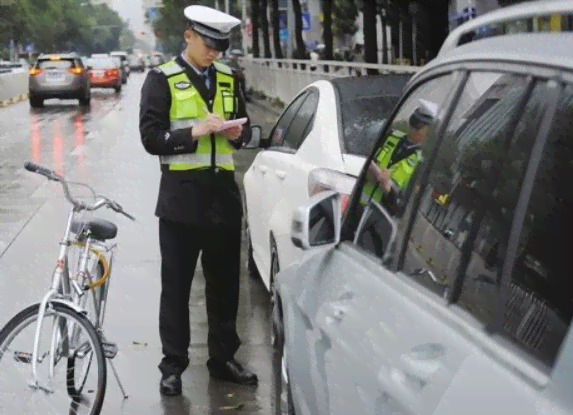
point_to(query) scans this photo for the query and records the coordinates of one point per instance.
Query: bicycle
(66, 301)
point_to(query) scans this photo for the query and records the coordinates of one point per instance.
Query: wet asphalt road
(101, 147)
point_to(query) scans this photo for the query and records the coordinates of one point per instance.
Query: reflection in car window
(303, 118)
(468, 208)
(321, 226)
(283, 124)
(461, 189)
(395, 163)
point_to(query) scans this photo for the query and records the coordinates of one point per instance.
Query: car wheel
(251, 265)
(36, 102)
(282, 402)
(86, 99)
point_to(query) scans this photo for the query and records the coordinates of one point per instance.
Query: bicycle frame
(61, 291)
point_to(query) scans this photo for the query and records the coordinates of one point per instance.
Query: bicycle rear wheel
(16, 345)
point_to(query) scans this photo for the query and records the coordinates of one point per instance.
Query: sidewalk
(115, 163)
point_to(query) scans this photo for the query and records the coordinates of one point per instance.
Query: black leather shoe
(170, 385)
(232, 371)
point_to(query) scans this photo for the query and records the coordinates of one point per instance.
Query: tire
(279, 376)
(85, 101)
(251, 265)
(32, 311)
(36, 102)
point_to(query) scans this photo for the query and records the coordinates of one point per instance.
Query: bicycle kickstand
(110, 351)
(117, 378)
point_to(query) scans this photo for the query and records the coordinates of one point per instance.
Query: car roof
(59, 56)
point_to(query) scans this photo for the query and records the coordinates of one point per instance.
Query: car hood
(353, 164)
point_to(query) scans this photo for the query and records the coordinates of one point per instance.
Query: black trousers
(180, 247)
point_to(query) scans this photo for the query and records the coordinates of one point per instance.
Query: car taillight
(112, 72)
(76, 71)
(34, 72)
(321, 180)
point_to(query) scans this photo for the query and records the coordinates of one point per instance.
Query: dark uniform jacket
(209, 197)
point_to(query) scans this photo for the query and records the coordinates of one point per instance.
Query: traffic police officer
(183, 105)
(395, 162)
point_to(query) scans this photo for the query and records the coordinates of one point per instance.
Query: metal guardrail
(284, 78)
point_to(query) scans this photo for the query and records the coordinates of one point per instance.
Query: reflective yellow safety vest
(400, 172)
(188, 108)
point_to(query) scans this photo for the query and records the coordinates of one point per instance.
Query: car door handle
(281, 174)
(424, 360)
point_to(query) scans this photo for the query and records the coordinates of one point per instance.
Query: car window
(395, 161)
(462, 185)
(362, 120)
(463, 226)
(100, 63)
(281, 127)
(301, 123)
(55, 64)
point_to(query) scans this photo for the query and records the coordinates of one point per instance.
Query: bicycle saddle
(99, 229)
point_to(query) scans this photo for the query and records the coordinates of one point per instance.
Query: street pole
(217, 4)
(227, 6)
(290, 28)
(244, 26)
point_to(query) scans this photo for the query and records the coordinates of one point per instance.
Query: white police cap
(424, 114)
(214, 26)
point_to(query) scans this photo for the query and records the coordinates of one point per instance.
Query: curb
(13, 100)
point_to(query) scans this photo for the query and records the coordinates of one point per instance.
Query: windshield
(103, 63)
(56, 64)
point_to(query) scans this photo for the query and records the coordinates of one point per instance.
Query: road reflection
(79, 141)
(57, 148)
(36, 138)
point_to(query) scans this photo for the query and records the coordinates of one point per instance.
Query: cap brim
(218, 44)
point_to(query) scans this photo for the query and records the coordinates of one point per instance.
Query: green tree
(344, 15)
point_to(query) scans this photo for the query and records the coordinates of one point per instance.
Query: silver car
(387, 314)
(58, 76)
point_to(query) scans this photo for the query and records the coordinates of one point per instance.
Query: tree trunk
(384, 23)
(264, 10)
(327, 30)
(370, 41)
(300, 52)
(276, 29)
(255, 27)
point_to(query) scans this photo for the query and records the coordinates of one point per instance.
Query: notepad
(232, 123)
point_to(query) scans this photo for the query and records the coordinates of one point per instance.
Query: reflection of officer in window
(395, 162)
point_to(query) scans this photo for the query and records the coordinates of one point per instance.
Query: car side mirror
(90, 68)
(255, 140)
(318, 222)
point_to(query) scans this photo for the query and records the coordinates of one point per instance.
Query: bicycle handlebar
(51, 175)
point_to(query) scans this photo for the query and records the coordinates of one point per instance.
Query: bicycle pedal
(23, 357)
(109, 349)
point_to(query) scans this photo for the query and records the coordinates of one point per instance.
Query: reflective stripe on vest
(188, 108)
(400, 172)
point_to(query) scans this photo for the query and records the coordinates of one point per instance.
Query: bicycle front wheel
(65, 334)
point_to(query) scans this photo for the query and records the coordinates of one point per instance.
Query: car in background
(137, 63)
(123, 57)
(320, 142)
(386, 315)
(105, 73)
(156, 59)
(62, 76)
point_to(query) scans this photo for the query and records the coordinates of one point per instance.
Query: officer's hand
(373, 172)
(208, 126)
(233, 133)
(384, 177)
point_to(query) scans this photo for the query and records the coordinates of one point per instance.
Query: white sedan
(320, 142)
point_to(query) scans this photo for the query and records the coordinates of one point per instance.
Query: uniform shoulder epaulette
(223, 68)
(171, 68)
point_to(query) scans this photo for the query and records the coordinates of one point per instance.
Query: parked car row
(448, 293)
